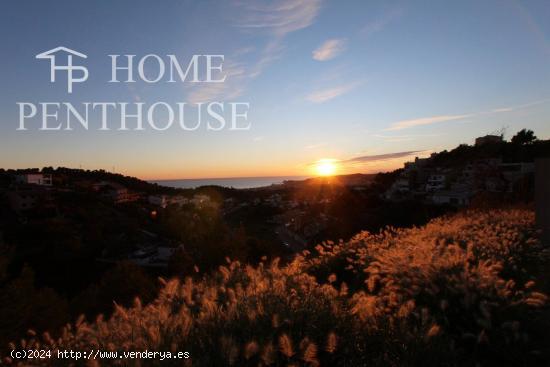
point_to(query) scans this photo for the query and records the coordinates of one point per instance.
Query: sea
(231, 182)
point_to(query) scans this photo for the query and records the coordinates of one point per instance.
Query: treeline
(523, 147)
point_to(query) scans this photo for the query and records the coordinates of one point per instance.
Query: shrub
(458, 291)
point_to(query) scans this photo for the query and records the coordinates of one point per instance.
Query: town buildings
(456, 184)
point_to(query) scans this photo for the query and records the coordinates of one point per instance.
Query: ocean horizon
(229, 182)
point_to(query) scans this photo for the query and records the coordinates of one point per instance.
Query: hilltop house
(34, 179)
(488, 139)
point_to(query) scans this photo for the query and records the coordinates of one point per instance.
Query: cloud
(405, 124)
(274, 20)
(228, 90)
(324, 95)
(381, 157)
(370, 161)
(271, 52)
(277, 18)
(402, 138)
(329, 49)
(519, 107)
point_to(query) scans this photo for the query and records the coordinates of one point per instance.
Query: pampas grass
(461, 290)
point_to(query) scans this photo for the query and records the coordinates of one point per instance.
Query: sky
(370, 84)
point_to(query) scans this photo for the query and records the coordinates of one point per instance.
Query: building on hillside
(418, 163)
(435, 183)
(116, 192)
(21, 200)
(467, 174)
(163, 201)
(542, 197)
(34, 179)
(416, 172)
(452, 197)
(398, 189)
(513, 172)
(488, 139)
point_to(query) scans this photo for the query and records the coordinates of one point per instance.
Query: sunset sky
(369, 84)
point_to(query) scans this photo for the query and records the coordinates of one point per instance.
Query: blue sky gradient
(324, 79)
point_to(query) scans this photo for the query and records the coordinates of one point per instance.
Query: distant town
(288, 216)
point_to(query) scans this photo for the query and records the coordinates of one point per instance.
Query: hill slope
(457, 291)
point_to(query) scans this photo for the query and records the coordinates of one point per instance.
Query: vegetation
(524, 136)
(523, 147)
(462, 290)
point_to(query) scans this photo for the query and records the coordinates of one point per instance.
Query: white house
(34, 179)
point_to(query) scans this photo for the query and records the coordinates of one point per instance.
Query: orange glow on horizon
(326, 167)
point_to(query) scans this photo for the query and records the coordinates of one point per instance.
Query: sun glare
(326, 167)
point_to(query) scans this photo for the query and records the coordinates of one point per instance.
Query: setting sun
(326, 167)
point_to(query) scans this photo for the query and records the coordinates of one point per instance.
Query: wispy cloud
(329, 49)
(519, 107)
(272, 51)
(402, 138)
(405, 124)
(273, 21)
(382, 157)
(371, 162)
(324, 95)
(380, 23)
(277, 18)
(228, 90)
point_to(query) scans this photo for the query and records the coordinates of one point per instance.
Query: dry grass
(459, 291)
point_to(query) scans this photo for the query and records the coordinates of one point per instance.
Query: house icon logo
(69, 67)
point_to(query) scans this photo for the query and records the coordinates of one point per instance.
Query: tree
(524, 137)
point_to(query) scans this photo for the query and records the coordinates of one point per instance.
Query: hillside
(461, 290)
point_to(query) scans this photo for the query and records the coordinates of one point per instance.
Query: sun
(326, 167)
